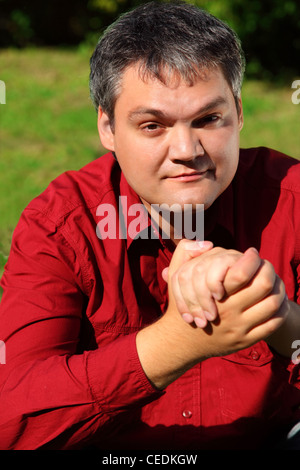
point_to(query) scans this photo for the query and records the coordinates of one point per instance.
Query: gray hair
(160, 37)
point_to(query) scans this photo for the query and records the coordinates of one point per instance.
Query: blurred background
(48, 124)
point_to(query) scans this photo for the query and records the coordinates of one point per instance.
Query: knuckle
(267, 285)
(239, 276)
(273, 325)
(196, 310)
(232, 252)
(198, 269)
(217, 250)
(181, 244)
(182, 276)
(267, 278)
(274, 303)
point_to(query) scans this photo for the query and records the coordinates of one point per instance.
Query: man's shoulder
(77, 189)
(266, 167)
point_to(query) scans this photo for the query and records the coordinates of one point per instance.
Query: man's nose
(185, 144)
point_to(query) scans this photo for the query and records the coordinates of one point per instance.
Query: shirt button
(187, 414)
(255, 355)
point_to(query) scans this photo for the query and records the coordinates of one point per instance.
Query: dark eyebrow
(220, 100)
(141, 111)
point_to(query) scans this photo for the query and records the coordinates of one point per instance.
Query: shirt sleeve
(293, 363)
(52, 395)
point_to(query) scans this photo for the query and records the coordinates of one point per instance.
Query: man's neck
(193, 225)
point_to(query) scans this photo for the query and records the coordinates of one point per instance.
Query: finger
(263, 283)
(164, 274)
(241, 272)
(195, 297)
(192, 294)
(200, 322)
(181, 305)
(277, 309)
(187, 250)
(186, 298)
(259, 288)
(203, 295)
(217, 273)
(190, 249)
(267, 308)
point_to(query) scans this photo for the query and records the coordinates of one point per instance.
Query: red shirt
(73, 303)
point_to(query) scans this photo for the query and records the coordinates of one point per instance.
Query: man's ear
(105, 131)
(241, 114)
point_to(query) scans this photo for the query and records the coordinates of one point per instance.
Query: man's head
(166, 81)
(163, 39)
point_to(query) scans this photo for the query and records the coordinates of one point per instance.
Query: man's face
(175, 143)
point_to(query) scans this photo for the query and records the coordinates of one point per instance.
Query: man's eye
(211, 119)
(151, 128)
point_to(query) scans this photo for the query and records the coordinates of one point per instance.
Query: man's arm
(52, 393)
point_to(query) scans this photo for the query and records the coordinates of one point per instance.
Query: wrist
(167, 349)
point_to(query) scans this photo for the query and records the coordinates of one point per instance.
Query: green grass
(48, 124)
(271, 119)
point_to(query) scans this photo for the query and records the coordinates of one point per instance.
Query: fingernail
(217, 296)
(200, 322)
(187, 317)
(209, 316)
(252, 248)
(197, 245)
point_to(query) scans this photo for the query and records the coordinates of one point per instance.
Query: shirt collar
(134, 217)
(219, 220)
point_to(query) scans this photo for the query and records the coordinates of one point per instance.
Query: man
(127, 339)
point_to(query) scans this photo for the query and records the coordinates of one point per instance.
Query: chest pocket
(257, 355)
(246, 391)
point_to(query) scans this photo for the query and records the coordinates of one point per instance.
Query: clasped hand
(209, 285)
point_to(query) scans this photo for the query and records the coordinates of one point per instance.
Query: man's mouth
(189, 176)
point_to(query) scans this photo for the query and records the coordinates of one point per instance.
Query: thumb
(185, 251)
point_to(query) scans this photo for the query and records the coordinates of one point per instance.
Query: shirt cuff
(294, 370)
(116, 378)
